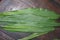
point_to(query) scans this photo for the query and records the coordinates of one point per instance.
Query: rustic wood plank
(7, 5)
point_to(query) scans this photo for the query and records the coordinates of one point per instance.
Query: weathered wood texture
(8, 5)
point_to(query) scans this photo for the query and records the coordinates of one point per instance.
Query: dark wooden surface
(8, 5)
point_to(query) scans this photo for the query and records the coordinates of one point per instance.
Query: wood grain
(8, 5)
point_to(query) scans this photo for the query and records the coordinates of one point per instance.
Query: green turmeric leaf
(29, 20)
(37, 20)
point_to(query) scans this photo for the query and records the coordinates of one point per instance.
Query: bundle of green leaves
(37, 20)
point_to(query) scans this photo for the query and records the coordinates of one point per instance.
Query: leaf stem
(32, 36)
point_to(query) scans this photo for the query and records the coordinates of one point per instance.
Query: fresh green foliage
(29, 20)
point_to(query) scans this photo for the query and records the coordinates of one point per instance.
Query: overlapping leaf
(29, 20)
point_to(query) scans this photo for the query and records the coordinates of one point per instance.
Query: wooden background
(8, 5)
